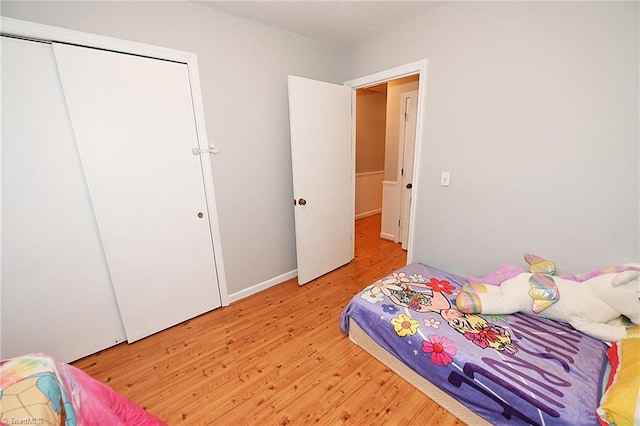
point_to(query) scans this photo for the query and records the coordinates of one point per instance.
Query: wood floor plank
(275, 358)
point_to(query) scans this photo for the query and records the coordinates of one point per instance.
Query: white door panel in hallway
(407, 155)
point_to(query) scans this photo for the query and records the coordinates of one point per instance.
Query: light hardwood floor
(275, 358)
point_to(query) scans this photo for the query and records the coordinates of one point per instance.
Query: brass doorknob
(302, 201)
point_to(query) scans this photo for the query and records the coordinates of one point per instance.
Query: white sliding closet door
(134, 125)
(56, 296)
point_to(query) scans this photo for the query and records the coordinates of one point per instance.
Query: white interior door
(134, 126)
(323, 169)
(56, 293)
(408, 138)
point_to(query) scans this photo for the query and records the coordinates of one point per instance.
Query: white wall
(243, 69)
(371, 107)
(368, 190)
(371, 112)
(533, 108)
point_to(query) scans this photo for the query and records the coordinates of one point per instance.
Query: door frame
(25, 29)
(420, 68)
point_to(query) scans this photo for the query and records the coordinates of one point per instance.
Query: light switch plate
(445, 179)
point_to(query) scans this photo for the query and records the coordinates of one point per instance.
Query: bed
(40, 390)
(484, 369)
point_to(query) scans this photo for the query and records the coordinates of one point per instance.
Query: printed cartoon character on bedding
(513, 368)
(418, 294)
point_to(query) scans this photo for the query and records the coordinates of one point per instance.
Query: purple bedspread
(513, 369)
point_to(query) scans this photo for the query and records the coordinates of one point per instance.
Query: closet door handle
(200, 215)
(409, 186)
(302, 201)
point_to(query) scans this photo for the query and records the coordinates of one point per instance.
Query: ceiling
(339, 23)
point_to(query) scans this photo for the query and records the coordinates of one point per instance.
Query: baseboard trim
(369, 213)
(387, 236)
(262, 286)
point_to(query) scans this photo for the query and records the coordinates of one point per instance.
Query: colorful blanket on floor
(37, 389)
(513, 369)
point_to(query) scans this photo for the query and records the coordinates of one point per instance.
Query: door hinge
(210, 150)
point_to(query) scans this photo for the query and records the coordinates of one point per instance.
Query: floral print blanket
(506, 368)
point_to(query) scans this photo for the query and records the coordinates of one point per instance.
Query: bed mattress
(484, 369)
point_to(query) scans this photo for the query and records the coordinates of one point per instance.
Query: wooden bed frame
(362, 339)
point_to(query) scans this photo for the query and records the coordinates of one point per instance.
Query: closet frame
(48, 34)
